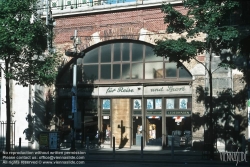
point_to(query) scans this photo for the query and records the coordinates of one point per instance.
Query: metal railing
(75, 4)
(3, 135)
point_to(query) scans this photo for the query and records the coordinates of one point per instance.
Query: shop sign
(178, 113)
(137, 112)
(120, 91)
(128, 91)
(106, 112)
(163, 90)
(154, 112)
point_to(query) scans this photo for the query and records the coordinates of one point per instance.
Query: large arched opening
(126, 91)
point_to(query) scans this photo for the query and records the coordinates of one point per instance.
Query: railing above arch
(67, 6)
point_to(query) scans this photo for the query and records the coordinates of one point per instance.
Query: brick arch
(116, 40)
(119, 33)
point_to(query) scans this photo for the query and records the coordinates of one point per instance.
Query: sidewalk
(150, 154)
(153, 154)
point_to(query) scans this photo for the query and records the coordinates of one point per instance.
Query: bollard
(20, 139)
(172, 147)
(113, 147)
(141, 146)
(87, 142)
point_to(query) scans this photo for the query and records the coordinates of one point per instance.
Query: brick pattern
(121, 122)
(110, 25)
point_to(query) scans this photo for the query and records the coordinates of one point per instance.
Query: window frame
(129, 78)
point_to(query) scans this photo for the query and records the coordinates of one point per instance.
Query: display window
(137, 130)
(153, 103)
(106, 130)
(137, 104)
(178, 103)
(183, 103)
(170, 103)
(154, 130)
(106, 104)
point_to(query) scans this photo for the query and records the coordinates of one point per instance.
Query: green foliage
(205, 17)
(23, 40)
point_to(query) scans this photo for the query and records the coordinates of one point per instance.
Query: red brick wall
(110, 25)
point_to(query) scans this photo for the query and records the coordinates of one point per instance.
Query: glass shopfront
(132, 93)
(106, 123)
(137, 130)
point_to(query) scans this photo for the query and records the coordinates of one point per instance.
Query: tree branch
(215, 70)
(201, 63)
(2, 69)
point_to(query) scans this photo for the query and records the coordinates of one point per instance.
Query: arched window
(127, 61)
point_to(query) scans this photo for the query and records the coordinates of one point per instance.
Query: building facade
(123, 89)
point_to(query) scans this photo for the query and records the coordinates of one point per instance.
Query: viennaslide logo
(233, 156)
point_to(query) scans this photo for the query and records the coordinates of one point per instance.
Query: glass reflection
(91, 56)
(153, 70)
(125, 52)
(106, 71)
(116, 71)
(150, 56)
(183, 73)
(106, 53)
(137, 71)
(126, 71)
(137, 52)
(171, 69)
(117, 52)
(90, 72)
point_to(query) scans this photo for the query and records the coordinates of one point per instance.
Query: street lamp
(75, 55)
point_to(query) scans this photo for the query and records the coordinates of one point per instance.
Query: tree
(23, 40)
(203, 17)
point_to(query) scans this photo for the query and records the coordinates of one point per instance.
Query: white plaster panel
(166, 90)
(120, 91)
(198, 70)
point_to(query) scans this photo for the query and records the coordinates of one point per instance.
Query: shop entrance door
(154, 130)
(121, 122)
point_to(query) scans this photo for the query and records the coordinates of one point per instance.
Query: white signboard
(166, 90)
(120, 91)
(130, 91)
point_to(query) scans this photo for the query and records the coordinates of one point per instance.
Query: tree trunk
(8, 114)
(211, 131)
